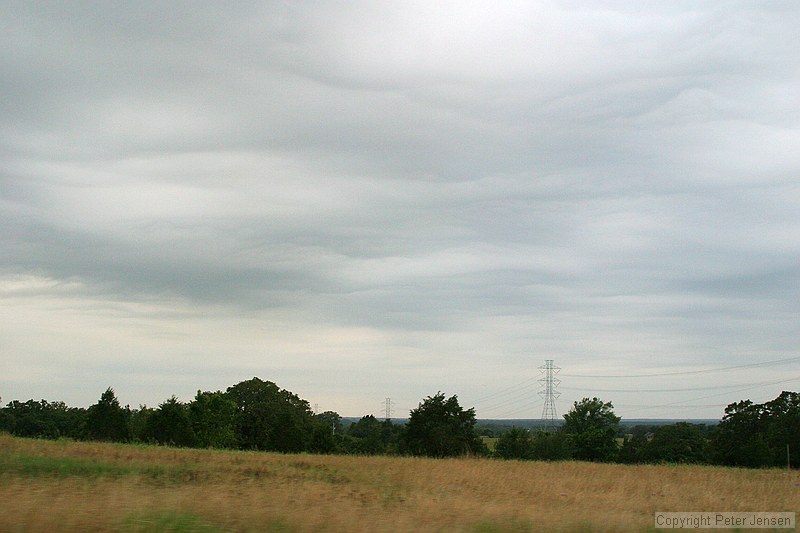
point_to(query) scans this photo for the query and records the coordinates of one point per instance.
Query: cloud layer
(369, 200)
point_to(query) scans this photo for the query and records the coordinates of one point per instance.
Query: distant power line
(508, 390)
(750, 387)
(715, 387)
(517, 398)
(686, 372)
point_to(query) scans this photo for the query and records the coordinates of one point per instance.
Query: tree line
(259, 415)
(749, 435)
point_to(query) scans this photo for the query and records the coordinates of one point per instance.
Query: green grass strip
(37, 466)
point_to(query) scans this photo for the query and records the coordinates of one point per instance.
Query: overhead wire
(506, 390)
(521, 391)
(527, 394)
(679, 402)
(684, 373)
(677, 390)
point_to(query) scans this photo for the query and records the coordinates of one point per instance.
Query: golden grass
(74, 486)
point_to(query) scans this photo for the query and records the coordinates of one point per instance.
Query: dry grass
(69, 486)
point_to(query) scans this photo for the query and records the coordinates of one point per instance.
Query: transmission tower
(549, 393)
(387, 406)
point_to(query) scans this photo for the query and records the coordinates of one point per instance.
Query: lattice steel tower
(387, 406)
(549, 393)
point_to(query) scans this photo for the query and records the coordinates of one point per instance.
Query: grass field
(75, 486)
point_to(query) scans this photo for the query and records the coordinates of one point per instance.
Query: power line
(505, 391)
(520, 396)
(509, 414)
(515, 393)
(684, 373)
(715, 387)
(679, 402)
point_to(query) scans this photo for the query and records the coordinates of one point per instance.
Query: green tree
(270, 418)
(551, 446)
(137, 422)
(439, 427)
(170, 424)
(370, 436)
(212, 416)
(783, 426)
(677, 443)
(739, 438)
(42, 419)
(756, 435)
(633, 449)
(516, 443)
(107, 420)
(330, 420)
(326, 433)
(592, 426)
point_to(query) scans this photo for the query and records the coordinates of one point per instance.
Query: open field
(75, 486)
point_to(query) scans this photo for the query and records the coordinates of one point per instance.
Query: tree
(515, 443)
(107, 420)
(42, 419)
(212, 417)
(677, 443)
(783, 426)
(439, 427)
(326, 433)
(551, 446)
(633, 449)
(270, 418)
(137, 422)
(592, 426)
(739, 437)
(371, 436)
(170, 424)
(756, 435)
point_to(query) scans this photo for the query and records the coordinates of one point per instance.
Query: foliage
(170, 424)
(107, 420)
(756, 435)
(212, 415)
(256, 414)
(330, 420)
(520, 443)
(515, 443)
(592, 426)
(326, 432)
(137, 422)
(677, 443)
(551, 446)
(370, 436)
(633, 449)
(782, 426)
(270, 418)
(49, 420)
(439, 427)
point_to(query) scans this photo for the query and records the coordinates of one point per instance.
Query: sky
(371, 200)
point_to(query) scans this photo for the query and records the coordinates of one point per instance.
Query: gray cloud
(366, 200)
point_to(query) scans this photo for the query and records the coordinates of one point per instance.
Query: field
(75, 486)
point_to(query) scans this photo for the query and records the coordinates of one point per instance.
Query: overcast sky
(363, 200)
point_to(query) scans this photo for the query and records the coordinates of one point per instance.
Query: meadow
(83, 486)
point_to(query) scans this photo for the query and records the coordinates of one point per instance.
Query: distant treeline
(258, 415)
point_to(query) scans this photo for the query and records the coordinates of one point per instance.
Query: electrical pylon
(387, 407)
(549, 393)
